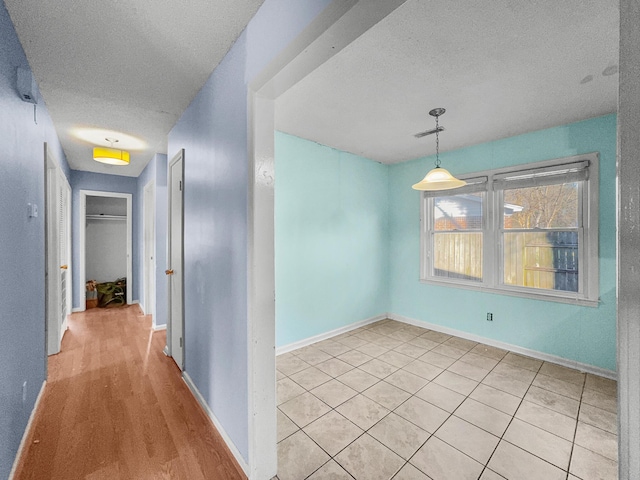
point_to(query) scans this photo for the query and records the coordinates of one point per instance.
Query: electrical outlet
(24, 392)
(489, 317)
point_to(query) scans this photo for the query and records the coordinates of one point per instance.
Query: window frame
(492, 236)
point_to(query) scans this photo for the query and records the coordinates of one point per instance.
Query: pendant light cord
(437, 142)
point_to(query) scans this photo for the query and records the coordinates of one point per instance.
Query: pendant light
(111, 156)
(438, 178)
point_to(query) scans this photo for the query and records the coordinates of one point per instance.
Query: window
(530, 230)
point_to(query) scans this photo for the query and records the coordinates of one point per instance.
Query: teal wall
(584, 334)
(348, 246)
(331, 238)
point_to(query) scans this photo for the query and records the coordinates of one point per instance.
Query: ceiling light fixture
(110, 156)
(438, 178)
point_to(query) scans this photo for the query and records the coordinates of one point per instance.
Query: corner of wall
(387, 214)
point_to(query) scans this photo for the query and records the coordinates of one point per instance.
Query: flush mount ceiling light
(110, 156)
(438, 178)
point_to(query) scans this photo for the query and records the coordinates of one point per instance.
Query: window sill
(547, 297)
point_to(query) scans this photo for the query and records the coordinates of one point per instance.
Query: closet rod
(106, 217)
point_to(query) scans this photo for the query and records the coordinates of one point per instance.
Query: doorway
(97, 214)
(261, 150)
(334, 29)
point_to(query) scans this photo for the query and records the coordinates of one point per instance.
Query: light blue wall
(155, 170)
(22, 316)
(213, 132)
(331, 238)
(103, 183)
(583, 334)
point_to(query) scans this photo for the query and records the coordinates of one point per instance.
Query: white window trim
(588, 294)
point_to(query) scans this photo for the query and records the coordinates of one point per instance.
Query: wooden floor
(116, 407)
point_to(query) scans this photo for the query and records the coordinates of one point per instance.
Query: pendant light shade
(110, 156)
(438, 178)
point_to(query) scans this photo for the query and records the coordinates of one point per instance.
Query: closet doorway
(106, 239)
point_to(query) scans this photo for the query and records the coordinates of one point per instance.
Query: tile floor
(395, 401)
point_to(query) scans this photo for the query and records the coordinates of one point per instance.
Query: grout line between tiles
(575, 430)
(375, 329)
(448, 417)
(486, 465)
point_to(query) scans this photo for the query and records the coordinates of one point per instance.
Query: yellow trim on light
(111, 156)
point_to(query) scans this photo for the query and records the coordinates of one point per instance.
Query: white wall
(106, 250)
(628, 262)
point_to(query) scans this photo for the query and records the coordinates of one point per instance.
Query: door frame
(336, 27)
(83, 235)
(627, 243)
(149, 247)
(171, 329)
(54, 177)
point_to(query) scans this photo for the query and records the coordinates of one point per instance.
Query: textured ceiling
(130, 66)
(500, 68)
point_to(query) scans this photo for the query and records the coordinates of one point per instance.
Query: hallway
(116, 407)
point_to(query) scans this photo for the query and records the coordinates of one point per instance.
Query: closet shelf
(106, 217)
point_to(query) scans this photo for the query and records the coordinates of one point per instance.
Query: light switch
(32, 209)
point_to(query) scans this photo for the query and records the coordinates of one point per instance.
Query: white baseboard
(198, 396)
(77, 309)
(547, 357)
(323, 336)
(157, 328)
(25, 435)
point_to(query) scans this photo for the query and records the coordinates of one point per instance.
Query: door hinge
(180, 185)
(180, 342)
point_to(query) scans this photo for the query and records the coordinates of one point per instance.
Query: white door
(57, 273)
(149, 249)
(64, 246)
(175, 324)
